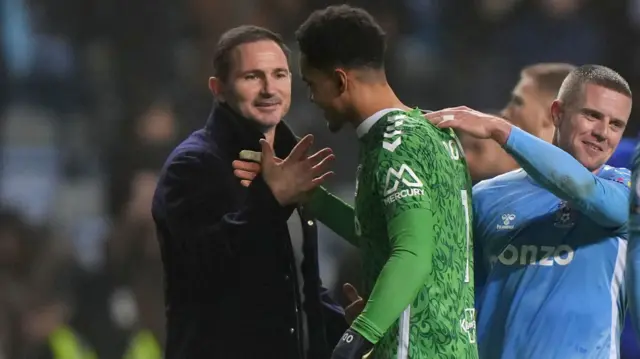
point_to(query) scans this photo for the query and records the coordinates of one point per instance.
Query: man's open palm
(297, 174)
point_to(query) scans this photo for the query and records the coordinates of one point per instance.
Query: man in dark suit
(232, 287)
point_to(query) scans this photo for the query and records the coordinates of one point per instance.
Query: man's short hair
(238, 36)
(548, 76)
(592, 74)
(342, 36)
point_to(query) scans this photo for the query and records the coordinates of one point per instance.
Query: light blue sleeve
(632, 279)
(602, 198)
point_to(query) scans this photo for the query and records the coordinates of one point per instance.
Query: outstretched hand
(477, 124)
(289, 179)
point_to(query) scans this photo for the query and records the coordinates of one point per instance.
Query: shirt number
(453, 149)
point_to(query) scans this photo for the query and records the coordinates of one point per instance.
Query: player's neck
(375, 98)
(547, 134)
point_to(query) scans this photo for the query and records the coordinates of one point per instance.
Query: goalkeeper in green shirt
(412, 214)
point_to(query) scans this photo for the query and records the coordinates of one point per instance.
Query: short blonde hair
(548, 76)
(592, 74)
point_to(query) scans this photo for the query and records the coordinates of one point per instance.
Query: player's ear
(215, 86)
(341, 80)
(557, 111)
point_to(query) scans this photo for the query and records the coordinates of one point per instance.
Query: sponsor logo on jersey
(506, 222)
(411, 184)
(535, 255)
(468, 324)
(393, 133)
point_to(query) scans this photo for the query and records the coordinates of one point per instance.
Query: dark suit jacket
(231, 288)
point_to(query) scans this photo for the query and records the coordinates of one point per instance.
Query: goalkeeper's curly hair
(342, 36)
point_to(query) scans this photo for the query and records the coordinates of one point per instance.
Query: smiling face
(259, 83)
(591, 127)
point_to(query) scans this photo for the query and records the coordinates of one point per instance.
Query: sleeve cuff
(516, 134)
(367, 329)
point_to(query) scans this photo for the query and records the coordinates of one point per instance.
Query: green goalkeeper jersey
(413, 226)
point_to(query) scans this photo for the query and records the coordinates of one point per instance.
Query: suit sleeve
(201, 206)
(633, 250)
(411, 236)
(333, 315)
(335, 214)
(603, 199)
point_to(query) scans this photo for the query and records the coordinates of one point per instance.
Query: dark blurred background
(95, 93)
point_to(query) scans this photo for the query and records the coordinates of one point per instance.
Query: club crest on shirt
(564, 216)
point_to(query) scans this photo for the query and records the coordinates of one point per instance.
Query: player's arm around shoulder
(601, 197)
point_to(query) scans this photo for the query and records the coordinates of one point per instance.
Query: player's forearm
(334, 213)
(604, 201)
(403, 276)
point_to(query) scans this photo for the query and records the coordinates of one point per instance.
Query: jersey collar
(366, 125)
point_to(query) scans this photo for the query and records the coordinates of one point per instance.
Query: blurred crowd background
(94, 94)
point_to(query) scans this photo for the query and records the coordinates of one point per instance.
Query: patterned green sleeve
(402, 181)
(334, 213)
